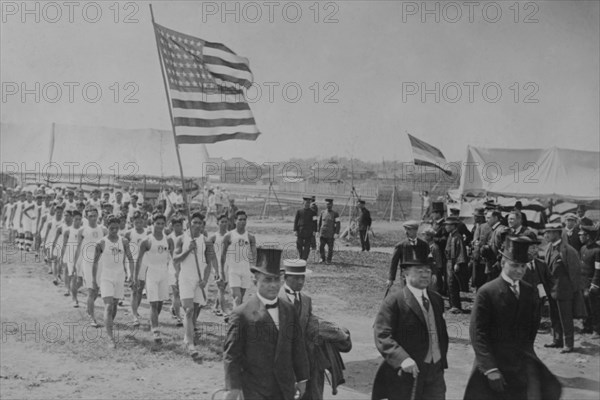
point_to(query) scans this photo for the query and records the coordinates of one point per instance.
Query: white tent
(533, 173)
(78, 154)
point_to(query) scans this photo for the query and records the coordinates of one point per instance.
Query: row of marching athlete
(512, 284)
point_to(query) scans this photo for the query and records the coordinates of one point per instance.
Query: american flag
(206, 82)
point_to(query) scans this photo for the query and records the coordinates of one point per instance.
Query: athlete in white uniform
(112, 251)
(175, 235)
(221, 274)
(70, 202)
(10, 206)
(195, 256)
(50, 241)
(28, 221)
(16, 221)
(73, 278)
(40, 211)
(238, 255)
(88, 237)
(58, 249)
(94, 201)
(156, 251)
(135, 237)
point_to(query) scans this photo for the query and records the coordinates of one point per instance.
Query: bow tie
(413, 242)
(290, 292)
(274, 305)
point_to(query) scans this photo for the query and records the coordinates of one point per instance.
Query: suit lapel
(283, 330)
(414, 304)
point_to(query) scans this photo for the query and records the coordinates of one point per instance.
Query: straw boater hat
(552, 227)
(412, 224)
(268, 261)
(571, 216)
(516, 248)
(295, 267)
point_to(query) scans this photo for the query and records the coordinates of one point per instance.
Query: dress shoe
(567, 350)
(553, 345)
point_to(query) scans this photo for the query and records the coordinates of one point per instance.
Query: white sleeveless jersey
(112, 260)
(219, 246)
(238, 252)
(90, 237)
(54, 224)
(9, 208)
(18, 207)
(158, 255)
(135, 240)
(188, 265)
(70, 205)
(31, 210)
(71, 244)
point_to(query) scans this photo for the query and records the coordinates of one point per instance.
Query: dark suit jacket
(491, 250)
(573, 240)
(258, 357)
(539, 274)
(565, 270)
(502, 331)
(305, 222)
(364, 219)
(481, 233)
(401, 332)
(404, 250)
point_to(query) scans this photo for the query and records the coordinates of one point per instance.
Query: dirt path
(48, 351)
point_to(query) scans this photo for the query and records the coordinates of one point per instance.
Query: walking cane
(413, 393)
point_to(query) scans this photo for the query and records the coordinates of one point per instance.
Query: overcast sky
(360, 74)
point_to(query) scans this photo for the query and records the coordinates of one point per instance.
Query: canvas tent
(80, 155)
(558, 174)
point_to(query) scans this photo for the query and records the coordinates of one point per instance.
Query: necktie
(515, 289)
(296, 299)
(413, 242)
(425, 302)
(274, 305)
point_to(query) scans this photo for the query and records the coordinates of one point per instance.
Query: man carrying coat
(504, 323)
(264, 352)
(411, 335)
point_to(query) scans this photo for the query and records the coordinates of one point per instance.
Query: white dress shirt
(273, 312)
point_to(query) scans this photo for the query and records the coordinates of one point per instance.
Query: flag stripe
(208, 106)
(221, 51)
(195, 139)
(209, 123)
(426, 154)
(212, 115)
(190, 131)
(212, 60)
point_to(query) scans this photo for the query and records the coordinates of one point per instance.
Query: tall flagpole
(185, 199)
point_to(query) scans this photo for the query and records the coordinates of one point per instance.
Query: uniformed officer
(364, 224)
(305, 228)
(329, 228)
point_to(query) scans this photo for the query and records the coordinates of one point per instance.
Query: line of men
(565, 276)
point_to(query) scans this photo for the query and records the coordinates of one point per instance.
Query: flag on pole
(426, 154)
(206, 82)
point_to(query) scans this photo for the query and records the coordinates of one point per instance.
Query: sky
(524, 76)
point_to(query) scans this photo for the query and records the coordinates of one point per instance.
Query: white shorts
(86, 270)
(114, 288)
(190, 289)
(143, 271)
(172, 279)
(29, 225)
(73, 269)
(157, 288)
(239, 277)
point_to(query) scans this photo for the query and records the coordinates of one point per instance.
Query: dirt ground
(49, 351)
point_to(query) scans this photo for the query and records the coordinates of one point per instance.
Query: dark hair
(197, 215)
(241, 212)
(176, 220)
(113, 219)
(137, 215)
(158, 216)
(517, 214)
(222, 216)
(76, 213)
(497, 214)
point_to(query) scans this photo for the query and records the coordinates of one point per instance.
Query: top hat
(516, 248)
(307, 198)
(412, 224)
(437, 206)
(479, 212)
(419, 256)
(328, 200)
(452, 221)
(295, 267)
(361, 202)
(455, 210)
(268, 261)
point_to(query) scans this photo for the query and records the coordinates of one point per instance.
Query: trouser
(364, 240)
(430, 384)
(441, 280)
(592, 306)
(303, 246)
(453, 285)
(561, 316)
(478, 275)
(329, 243)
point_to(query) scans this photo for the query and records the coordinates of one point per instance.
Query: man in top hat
(570, 233)
(565, 285)
(441, 237)
(481, 235)
(456, 262)
(583, 220)
(461, 227)
(407, 249)
(410, 333)
(504, 323)
(328, 227)
(364, 224)
(305, 228)
(264, 352)
(294, 277)
(590, 266)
